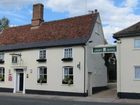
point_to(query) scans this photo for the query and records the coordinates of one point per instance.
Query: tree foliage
(4, 23)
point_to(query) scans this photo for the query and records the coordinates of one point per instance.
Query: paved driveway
(109, 93)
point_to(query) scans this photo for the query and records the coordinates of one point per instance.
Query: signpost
(104, 49)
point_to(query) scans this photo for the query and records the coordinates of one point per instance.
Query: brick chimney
(37, 14)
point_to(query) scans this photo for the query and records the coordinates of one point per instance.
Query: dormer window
(42, 55)
(1, 57)
(67, 54)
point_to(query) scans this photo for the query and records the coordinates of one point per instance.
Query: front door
(19, 80)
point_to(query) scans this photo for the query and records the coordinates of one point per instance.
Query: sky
(115, 14)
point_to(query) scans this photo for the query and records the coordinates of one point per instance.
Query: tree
(4, 23)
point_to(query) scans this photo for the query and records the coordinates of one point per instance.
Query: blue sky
(115, 14)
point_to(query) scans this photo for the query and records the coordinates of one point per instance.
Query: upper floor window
(137, 43)
(68, 53)
(42, 74)
(1, 56)
(2, 73)
(14, 59)
(67, 75)
(137, 72)
(42, 54)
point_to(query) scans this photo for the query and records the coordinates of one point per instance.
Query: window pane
(2, 74)
(42, 75)
(42, 54)
(14, 59)
(66, 71)
(1, 56)
(68, 53)
(137, 72)
(137, 43)
(68, 75)
(70, 70)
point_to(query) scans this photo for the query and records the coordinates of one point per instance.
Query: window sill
(67, 84)
(67, 59)
(41, 60)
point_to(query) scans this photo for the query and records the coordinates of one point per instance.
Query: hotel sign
(109, 49)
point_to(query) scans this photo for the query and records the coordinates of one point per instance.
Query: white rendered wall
(129, 57)
(54, 67)
(95, 62)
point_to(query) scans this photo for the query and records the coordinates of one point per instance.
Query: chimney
(37, 14)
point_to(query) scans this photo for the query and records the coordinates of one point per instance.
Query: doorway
(89, 83)
(19, 80)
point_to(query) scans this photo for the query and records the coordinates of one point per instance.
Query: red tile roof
(71, 28)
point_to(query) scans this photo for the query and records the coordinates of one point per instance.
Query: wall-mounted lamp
(79, 65)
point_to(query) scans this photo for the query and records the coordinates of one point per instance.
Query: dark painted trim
(41, 60)
(67, 59)
(128, 95)
(43, 92)
(99, 89)
(6, 90)
(1, 62)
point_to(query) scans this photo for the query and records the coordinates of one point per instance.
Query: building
(128, 69)
(53, 57)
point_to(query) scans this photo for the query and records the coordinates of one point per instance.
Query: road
(12, 100)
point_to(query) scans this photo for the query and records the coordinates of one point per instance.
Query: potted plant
(42, 80)
(1, 78)
(67, 80)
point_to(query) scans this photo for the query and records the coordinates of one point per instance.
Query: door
(89, 83)
(19, 80)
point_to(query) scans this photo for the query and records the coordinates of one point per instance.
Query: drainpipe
(84, 70)
(118, 66)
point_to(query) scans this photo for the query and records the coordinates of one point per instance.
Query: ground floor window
(137, 72)
(2, 73)
(67, 75)
(42, 74)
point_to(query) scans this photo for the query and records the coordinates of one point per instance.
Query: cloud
(115, 14)
(113, 17)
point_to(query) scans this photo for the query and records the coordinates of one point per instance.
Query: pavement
(106, 96)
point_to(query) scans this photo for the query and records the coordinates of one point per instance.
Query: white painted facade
(90, 64)
(54, 69)
(128, 58)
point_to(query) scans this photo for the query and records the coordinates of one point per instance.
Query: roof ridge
(70, 18)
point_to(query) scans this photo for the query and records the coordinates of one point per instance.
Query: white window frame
(69, 55)
(68, 67)
(39, 75)
(14, 59)
(1, 56)
(42, 56)
(136, 47)
(135, 73)
(2, 73)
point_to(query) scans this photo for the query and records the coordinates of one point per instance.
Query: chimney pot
(37, 14)
(96, 10)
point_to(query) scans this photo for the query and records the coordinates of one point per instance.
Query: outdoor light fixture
(79, 65)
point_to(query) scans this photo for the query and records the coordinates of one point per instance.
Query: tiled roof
(66, 29)
(131, 31)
